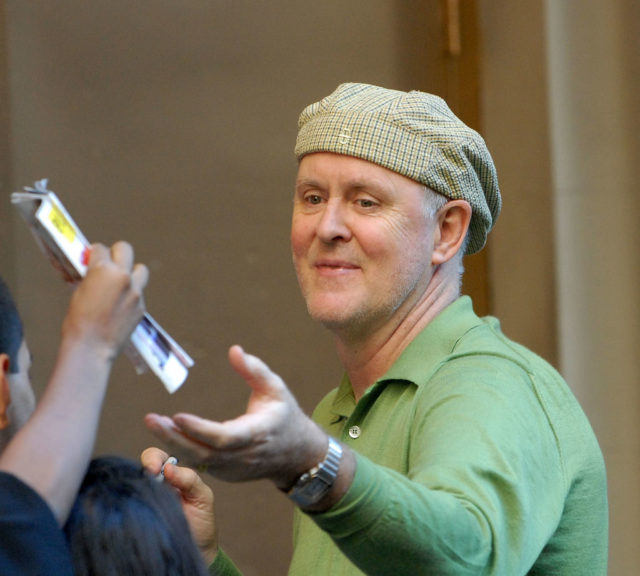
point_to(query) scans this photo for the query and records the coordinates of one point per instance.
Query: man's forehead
(355, 172)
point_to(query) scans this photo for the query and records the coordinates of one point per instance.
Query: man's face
(22, 398)
(361, 242)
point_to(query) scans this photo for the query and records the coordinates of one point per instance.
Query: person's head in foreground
(125, 521)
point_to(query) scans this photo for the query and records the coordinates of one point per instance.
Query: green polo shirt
(473, 457)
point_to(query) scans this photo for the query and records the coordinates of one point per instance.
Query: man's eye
(313, 199)
(366, 203)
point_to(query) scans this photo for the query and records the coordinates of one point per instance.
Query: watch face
(310, 492)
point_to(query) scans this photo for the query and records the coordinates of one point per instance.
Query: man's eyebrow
(360, 185)
(307, 183)
(369, 185)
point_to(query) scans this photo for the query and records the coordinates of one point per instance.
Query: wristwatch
(314, 484)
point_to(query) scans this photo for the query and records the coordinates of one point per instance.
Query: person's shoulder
(31, 541)
(12, 487)
(487, 342)
(18, 498)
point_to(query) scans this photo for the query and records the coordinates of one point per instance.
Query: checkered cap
(412, 133)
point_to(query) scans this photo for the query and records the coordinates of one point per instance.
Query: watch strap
(314, 484)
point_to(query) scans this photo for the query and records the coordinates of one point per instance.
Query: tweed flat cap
(412, 133)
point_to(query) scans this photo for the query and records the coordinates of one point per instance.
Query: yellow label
(62, 224)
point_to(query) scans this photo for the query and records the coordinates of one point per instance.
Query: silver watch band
(314, 484)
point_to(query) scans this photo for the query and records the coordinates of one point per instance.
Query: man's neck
(368, 356)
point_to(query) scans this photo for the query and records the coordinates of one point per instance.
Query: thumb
(255, 372)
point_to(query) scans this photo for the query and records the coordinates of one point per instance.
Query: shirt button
(354, 431)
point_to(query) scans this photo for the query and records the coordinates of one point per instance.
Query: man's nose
(334, 223)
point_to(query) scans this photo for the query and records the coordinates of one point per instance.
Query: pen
(171, 460)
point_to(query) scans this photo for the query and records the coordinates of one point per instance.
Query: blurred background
(172, 125)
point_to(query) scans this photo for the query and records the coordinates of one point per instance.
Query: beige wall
(594, 71)
(6, 223)
(514, 117)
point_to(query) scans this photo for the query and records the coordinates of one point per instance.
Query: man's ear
(5, 390)
(452, 223)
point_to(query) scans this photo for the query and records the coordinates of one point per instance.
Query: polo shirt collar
(436, 341)
(418, 360)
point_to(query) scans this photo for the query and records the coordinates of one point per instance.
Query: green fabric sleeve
(222, 565)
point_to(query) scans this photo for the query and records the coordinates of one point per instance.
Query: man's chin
(337, 320)
(331, 319)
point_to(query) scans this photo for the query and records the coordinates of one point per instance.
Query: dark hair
(126, 522)
(11, 333)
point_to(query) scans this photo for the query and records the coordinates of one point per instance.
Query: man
(43, 464)
(447, 448)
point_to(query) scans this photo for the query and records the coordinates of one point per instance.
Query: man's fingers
(246, 365)
(153, 458)
(220, 436)
(254, 371)
(181, 445)
(161, 426)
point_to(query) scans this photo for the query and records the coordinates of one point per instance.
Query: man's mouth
(335, 265)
